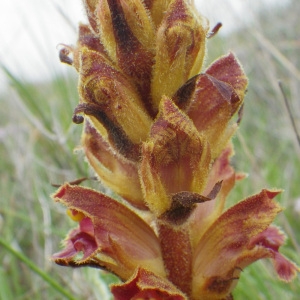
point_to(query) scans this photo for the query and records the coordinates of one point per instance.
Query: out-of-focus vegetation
(38, 138)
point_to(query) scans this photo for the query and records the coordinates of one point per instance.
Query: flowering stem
(286, 102)
(37, 270)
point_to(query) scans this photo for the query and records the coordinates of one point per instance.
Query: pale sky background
(30, 30)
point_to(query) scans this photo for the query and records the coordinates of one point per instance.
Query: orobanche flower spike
(158, 133)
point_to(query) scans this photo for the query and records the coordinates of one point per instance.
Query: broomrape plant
(158, 133)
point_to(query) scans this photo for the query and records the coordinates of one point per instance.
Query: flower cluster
(158, 133)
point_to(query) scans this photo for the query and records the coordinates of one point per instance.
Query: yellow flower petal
(140, 22)
(128, 51)
(180, 48)
(158, 9)
(176, 158)
(114, 170)
(111, 98)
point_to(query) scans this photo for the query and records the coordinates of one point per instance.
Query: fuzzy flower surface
(157, 131)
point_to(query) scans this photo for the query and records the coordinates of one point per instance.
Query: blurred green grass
(38, 138)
